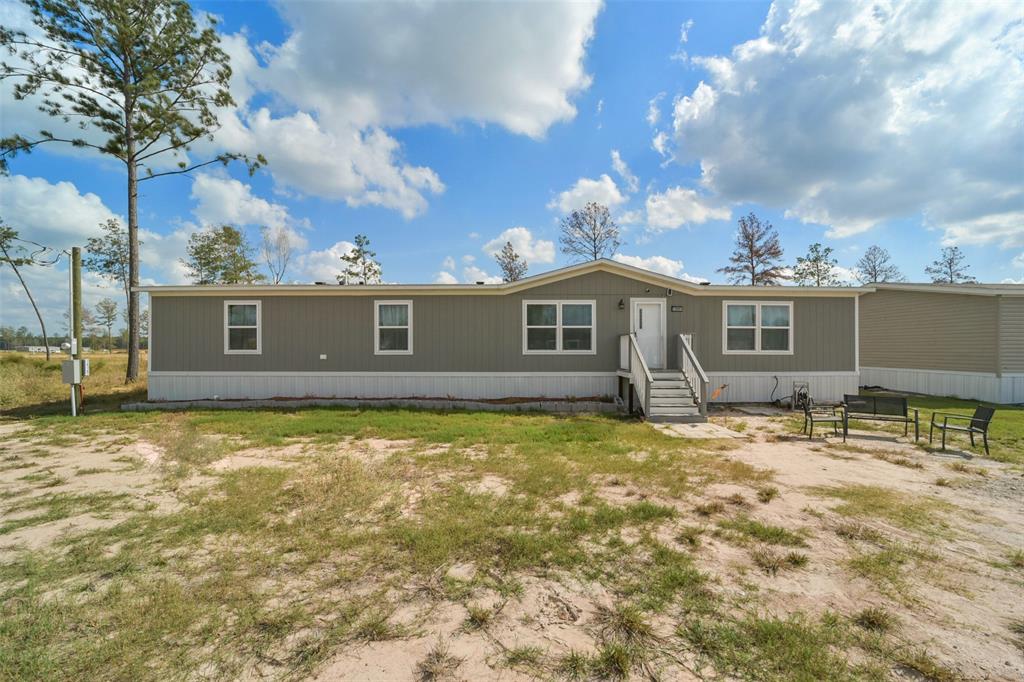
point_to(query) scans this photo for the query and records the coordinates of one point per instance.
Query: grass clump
(709, 508)
(772, 562)
(625, 624)
(575, 666)
(613, 661)
(689, 536)
(478, 617)
(763, 532)
(1016, 559)
(875, 619)
(529, 656)
(767, 493)
(437, 664)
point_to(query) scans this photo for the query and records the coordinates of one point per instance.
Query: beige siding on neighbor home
(467, 333)
(929, 331)
(1011, 333)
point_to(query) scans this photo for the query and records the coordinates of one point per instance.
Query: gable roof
(557, 275)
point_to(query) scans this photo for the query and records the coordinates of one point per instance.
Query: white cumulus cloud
(323, 265)
(849, 114)
(659, 264)
(445, 278)
(603, 190)
(525, 244)
(680, 206)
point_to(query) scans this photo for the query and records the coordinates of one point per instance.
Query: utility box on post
(73, 371)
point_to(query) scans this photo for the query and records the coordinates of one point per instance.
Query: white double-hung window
(757, 327)
(392, 327)
(242, 327)
(559, 327)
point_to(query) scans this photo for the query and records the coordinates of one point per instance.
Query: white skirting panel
(756, 387)
(1009, 388)
(465, 386)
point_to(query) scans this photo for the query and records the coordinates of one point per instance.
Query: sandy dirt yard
(740, 550)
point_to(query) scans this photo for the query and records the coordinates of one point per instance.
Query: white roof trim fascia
(503, 288)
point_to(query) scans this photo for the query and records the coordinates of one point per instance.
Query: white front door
(649, 327)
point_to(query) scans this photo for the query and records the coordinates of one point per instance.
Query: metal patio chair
(978, 424)
(822, 414)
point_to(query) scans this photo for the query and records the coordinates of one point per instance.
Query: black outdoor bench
(815, 414)
(979, 423)
(882, 408)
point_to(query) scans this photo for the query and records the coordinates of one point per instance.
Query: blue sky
(437, 129)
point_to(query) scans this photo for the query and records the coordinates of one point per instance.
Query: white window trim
(259, 328)
(757, 328)
(558, 303)
(377, 327)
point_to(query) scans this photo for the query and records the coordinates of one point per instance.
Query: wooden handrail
(689, 365)
(639, 373)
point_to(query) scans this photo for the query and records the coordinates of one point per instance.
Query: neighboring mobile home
(597, 329)
(964, 340)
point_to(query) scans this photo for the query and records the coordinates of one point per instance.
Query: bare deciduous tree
(513, 267)
(12, 253)
(875, 266)
(589, 233)
(277, 250)
(950, 267)
(756, 257)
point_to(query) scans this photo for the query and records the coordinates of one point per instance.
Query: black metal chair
(822, 414)
(979, 424)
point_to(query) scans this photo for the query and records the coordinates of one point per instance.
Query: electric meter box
(73, 371)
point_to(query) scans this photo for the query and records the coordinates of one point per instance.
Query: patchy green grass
(767, 648)
(752, 529)
(901, 509)
(1006, 435)
(31, 386)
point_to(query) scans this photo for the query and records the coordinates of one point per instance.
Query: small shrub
(771, 562)
(767, 493)
(875, 619)
(1016, 558)
(738, 500)
(796, 559)
(943, 482)
(852, 530)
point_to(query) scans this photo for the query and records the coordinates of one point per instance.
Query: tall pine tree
(142, 81)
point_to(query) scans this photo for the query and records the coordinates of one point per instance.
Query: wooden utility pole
(76, 321)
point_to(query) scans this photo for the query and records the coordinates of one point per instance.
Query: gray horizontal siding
(921, 330)
(483, 333)
(1011, 333)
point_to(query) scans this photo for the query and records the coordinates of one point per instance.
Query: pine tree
(755, 260)
(950, 267)
(220, 256)
(817, 268)
(590, 233)
(360, 266)
(106, 316)
(875, 266)
(513, 267)
(141, 80)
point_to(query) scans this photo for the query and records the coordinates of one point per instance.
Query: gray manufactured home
(665, 346)
(963, 340)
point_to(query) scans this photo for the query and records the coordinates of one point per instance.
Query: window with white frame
(392, 321)
(558, 327)
(757, 327)
(242, 333)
